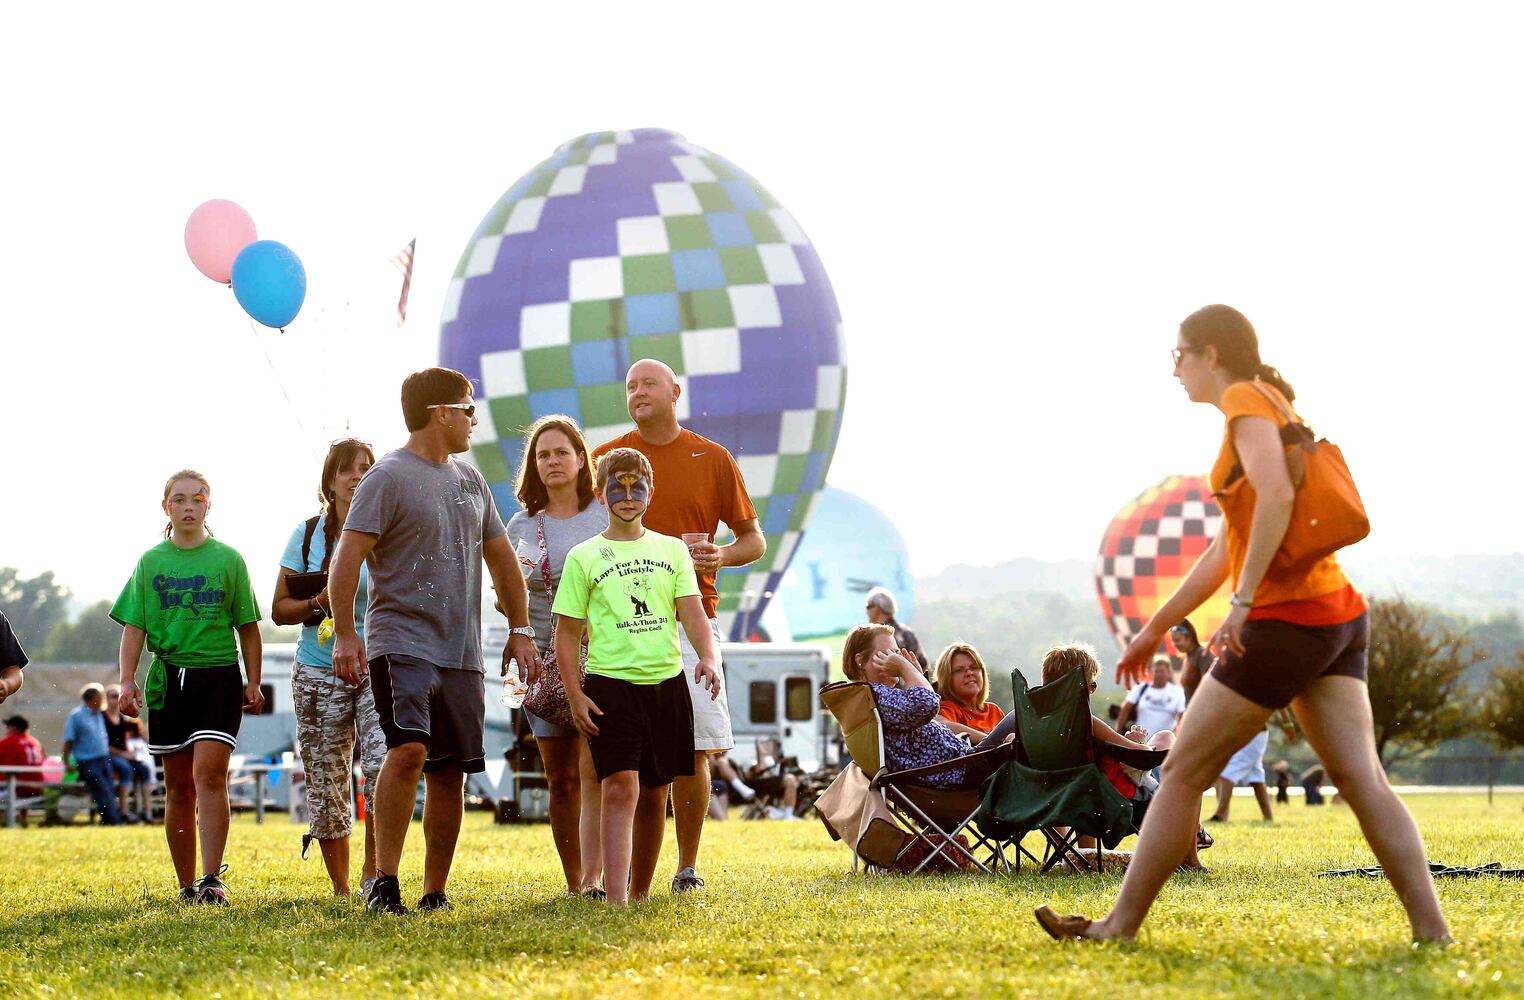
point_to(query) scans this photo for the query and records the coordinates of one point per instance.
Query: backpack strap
(312, 523)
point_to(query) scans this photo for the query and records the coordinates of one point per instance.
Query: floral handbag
(547, 696)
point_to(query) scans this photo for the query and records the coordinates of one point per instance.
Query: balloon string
(275, 372)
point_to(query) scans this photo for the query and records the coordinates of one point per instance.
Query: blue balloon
(269, 282)
(852, 547)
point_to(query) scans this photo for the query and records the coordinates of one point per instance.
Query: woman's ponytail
(1230, 332)
(1267, 373)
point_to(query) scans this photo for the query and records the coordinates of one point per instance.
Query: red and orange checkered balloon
(1148, 549)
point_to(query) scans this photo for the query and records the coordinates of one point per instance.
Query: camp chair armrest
(913, 775)
(1143, 760)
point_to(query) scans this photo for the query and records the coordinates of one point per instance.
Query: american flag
(404, 263)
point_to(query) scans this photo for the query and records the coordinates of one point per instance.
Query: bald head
(651, 368)
(651, 393)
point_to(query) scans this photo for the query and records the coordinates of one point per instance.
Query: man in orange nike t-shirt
(698, 485)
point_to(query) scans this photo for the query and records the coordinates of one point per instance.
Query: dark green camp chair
(1052, 785)
(932, 816)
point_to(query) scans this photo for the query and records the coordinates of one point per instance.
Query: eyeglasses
(1180, 352)
(469, 409)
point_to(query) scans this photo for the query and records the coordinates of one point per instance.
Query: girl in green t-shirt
(187, 597)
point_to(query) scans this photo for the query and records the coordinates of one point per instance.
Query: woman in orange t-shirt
(964, 685)
(1294, 637)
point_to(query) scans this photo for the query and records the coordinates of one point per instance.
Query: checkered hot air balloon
(629, 245)
(1149, 547)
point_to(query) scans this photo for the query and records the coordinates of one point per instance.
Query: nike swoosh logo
(698, 454)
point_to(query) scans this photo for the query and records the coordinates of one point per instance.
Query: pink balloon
(52, 770)
(214, 234)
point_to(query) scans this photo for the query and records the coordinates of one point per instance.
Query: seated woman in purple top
(908, 706)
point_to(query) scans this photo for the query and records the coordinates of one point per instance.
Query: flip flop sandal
(1061, 927)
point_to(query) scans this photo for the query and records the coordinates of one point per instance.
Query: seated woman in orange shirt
(964, 685)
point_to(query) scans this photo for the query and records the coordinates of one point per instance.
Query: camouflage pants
(329, 715)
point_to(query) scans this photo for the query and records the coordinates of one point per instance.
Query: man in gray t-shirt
(423, 523)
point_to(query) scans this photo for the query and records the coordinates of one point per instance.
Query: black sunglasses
(1179, 352)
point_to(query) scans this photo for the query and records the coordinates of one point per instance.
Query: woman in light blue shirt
(330, 713)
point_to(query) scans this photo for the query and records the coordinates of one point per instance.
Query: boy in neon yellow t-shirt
(632, 586)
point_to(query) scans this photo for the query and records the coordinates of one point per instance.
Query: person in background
(120, 760)
(759, 779)
(1155, 704)
(12, 660)
(561, 510)
(964, 684)
(85, 738)
(140, 757)
(1196, 659)
(1282, 782)
(1247, 767)
(1312, 785)
(880, 608)
(19, 748)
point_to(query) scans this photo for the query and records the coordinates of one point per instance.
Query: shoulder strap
(550, 591)
(1275, 401)
(1292, 432)
(312, 523)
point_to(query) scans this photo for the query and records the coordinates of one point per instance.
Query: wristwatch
(1239, 602)
(527, 631)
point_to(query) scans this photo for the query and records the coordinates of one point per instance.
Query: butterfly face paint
(627, 486)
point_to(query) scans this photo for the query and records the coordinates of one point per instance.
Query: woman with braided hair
(330, 713)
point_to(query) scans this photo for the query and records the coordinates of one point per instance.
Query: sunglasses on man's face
(469, 409)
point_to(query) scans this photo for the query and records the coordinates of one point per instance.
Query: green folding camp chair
(1052, 785)
(931, 816)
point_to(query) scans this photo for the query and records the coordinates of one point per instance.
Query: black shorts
(445, 710)
(1281, 659)
(200, 703)
(644, 727)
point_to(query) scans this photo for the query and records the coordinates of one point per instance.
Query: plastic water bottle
(514, 687)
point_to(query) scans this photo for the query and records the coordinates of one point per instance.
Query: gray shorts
(446, 710)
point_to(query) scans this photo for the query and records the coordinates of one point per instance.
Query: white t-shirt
(1157, 707)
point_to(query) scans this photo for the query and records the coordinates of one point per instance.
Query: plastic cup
(514, 687)
(692, 538)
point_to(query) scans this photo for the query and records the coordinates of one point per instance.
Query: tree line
(1434, 676)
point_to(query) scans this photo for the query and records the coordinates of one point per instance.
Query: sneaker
(434, 901)
(365, 884)
(385, 896)
(687, 880)
(210, 890)
(187, 894)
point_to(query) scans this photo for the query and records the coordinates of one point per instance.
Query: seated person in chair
(1138, 786)
(1057, 662)
(964, 685)
(759, 779)
(908, 706)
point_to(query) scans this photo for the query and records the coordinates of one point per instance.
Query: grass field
(89, 912)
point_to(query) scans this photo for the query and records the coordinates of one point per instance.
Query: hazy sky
(1016, 208)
